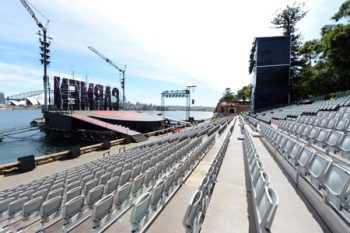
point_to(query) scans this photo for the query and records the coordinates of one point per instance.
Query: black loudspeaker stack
(26, 163)
(74, 152)
(106, 145)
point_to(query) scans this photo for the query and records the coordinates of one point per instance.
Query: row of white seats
(296, 110)
(199, 202)
(265, 199)
(332, 140)
(325, 183)
(56, 200)
(145, 209)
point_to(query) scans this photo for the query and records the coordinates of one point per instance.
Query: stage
(101, 124)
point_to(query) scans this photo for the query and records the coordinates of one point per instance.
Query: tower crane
(122, 71)
(45, 44)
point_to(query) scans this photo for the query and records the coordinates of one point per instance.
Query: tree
(228, 96)
(245, 93)
(252, 58)
(287, 19)
(327, 61)
(343, 12)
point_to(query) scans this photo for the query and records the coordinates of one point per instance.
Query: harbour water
(35, 142)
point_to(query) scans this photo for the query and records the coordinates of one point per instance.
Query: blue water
(35, 142)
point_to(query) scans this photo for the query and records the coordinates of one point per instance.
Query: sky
(166, 45)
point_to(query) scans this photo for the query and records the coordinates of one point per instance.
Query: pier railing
(12, 167)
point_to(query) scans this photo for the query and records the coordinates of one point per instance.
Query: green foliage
(344, 12)
(327, 61)
(229, 96)
(251, 58)
(245, 93)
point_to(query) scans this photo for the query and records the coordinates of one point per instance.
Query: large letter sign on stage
(73, 94)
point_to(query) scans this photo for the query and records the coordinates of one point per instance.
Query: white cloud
(199, 42)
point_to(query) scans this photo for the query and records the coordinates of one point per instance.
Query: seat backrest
(337, 180)
(16, 206)
(306, 130)
(73, 207)
(282, 142)
(136, 171)
(94, 195)
(334, 138)
(5, 203)
(267, 206)
(342, 124)
(294, 152)
(149, 176)
(260, 185)
(313, 132)
(332, 123)
(157, 192)
(322, 135)
(125, 177)
(305, 156)
(193, 209)
(122, 194)
(145, 166)
(57, 186)
(169, 181)
(140, 210)
(86, 179)
(98, 174)
(73, 185)
(73, 193)
(317, 168)
(32, 206)
(112, 185)
(177, 174)
(127, 166)
(117, 172)
(55, 193)
(159, 168)
(89, 185)
(28, 194)
(324, 122)
(344, 144)
(137, 184)
(102, 208)
(50, 207)
(104, 178)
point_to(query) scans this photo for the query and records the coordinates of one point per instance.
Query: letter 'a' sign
(73, 94)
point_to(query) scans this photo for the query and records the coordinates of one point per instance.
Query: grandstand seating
(264, 198)
(100, 191)
(196, 209)
(323, 179)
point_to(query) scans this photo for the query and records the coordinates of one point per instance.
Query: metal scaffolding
(177, 94)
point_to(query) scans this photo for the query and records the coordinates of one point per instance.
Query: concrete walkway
(228, 207)
(170, 220)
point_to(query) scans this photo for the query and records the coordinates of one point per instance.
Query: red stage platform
(122, 123)
(121, 116)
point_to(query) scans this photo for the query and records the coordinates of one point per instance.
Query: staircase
(139, 138)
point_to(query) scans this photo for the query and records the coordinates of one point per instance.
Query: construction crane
(45, 44)
(122, 71)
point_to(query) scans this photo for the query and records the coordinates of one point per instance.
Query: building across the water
(227, 108)
(271, 72)
(2, 98)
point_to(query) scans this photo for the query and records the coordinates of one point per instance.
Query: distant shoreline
(39, 108)
(20, 108)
